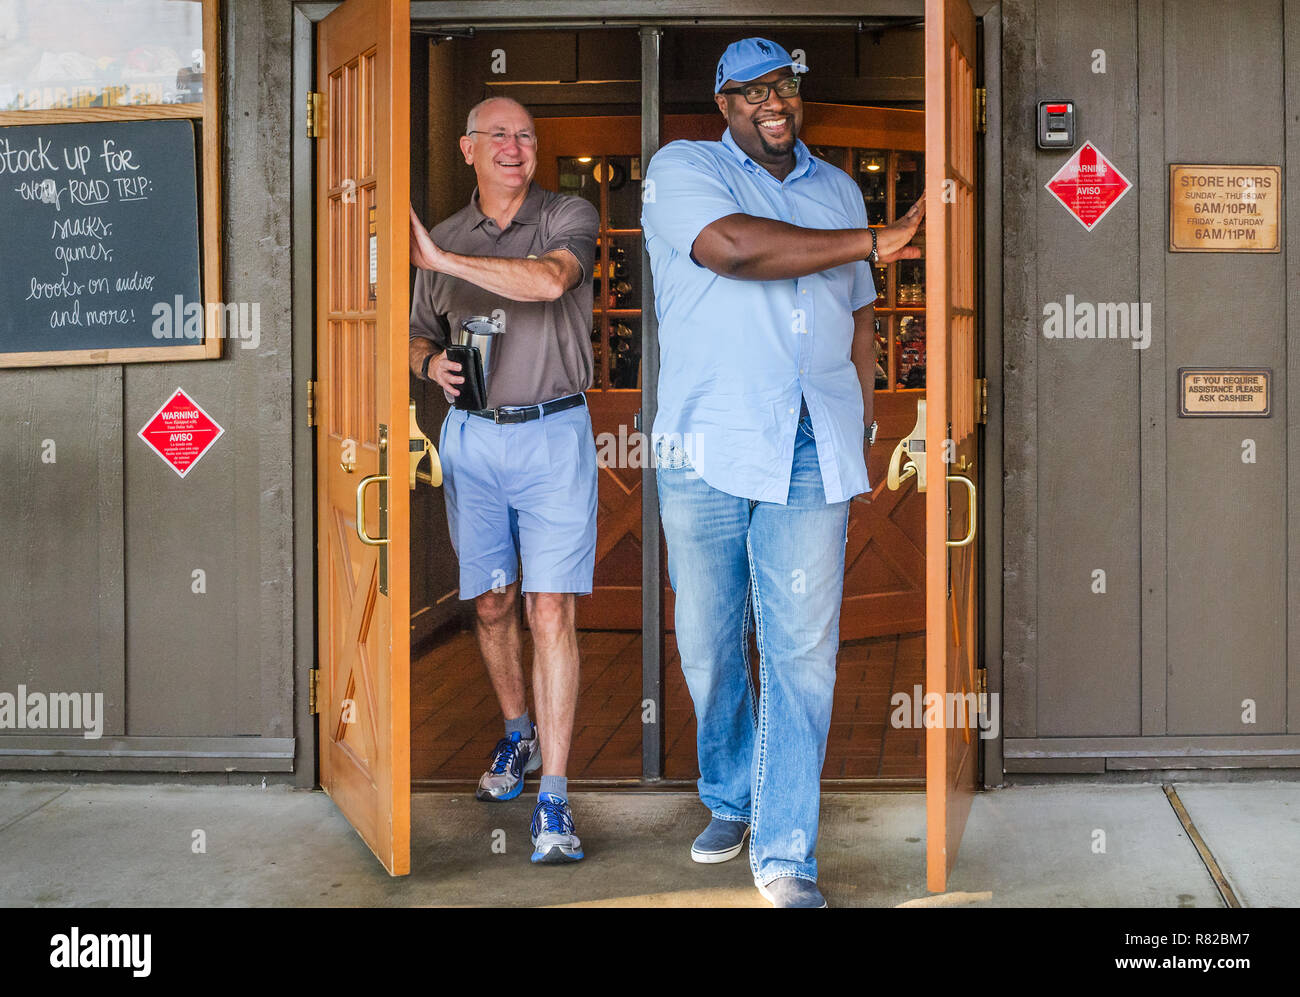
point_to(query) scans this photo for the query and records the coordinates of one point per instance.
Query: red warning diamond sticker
(181, 432)
(1088, 185)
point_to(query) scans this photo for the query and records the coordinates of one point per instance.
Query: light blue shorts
(521, 491)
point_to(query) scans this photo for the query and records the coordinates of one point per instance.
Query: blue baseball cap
(750, 58)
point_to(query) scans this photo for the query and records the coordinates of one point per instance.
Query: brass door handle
(970, 511)
(418, 446)
(913, 447)
(895, 478)
(362, 535)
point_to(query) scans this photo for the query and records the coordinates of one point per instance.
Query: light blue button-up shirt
(735, 355)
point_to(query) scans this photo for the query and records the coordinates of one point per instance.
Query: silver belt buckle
(497, 412)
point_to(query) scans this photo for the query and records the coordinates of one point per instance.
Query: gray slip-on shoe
(720, 841)
(791, 891)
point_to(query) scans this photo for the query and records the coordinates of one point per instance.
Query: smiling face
(767, 131)
(505, 166)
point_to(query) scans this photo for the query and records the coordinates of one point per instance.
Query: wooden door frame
(630, 13)
(988, 166)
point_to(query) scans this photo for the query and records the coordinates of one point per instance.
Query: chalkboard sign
(99, 249)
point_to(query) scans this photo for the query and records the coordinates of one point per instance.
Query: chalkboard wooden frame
(208, 122)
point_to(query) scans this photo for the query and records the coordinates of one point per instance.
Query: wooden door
(951, 654)
(363, 526)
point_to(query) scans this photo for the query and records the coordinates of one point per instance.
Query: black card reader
(1056, 124)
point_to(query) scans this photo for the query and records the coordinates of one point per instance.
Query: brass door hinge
(313, 678)
(982, 109)
(311, 404)
(982, 396)
(982, 686)
(314, 100)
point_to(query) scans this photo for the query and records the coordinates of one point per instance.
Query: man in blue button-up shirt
(766, 328)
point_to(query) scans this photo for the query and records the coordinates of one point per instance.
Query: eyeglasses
(757, 93)
(501, 137)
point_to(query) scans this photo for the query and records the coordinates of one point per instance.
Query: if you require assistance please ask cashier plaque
(1224, 391)
(1224, 209)
(101, 229)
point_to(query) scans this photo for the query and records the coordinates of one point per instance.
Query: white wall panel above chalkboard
(110, 212)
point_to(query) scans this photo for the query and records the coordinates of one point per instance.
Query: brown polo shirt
(545, 351)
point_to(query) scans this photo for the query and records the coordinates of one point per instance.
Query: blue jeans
(736, 564)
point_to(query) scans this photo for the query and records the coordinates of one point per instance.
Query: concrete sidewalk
(101, 845)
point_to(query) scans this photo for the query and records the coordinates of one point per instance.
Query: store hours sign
(1224, 209)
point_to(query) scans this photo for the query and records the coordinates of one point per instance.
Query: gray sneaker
(512, 759)
(720, 841)
(554, 839)
(791, 891)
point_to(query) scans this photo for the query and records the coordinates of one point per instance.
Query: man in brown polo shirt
(519, 476)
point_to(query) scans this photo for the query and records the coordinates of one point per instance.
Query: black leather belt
(511, 413)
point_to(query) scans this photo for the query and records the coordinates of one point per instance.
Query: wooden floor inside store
(455, 720)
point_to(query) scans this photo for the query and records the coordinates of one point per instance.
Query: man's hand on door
(424, 254)
(892, 240)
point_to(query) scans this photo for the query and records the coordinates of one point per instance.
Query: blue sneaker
(720, 841)
(553, 839)
(791, 891)
(512, 758)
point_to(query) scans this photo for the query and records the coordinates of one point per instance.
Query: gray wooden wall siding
(1226, 526)
(1101, 473)
(1088, 453)
(96, 592)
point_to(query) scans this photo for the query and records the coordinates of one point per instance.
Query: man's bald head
(471, 122)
